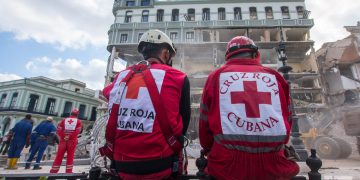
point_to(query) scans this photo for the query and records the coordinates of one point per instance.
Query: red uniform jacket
(244, 122)
(135, 133)
(70, 127)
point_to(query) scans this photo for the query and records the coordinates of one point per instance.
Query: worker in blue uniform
(39, 141)
(21, 137)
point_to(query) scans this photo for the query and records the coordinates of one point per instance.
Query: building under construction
(200, 29)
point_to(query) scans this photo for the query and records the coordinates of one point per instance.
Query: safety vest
(138, 134)
(249, 107)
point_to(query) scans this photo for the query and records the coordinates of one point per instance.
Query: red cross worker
(244, 118)
(149, 105)
(68, 130)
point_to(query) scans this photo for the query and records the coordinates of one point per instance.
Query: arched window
(175, 15)
(253, 13)
(269, 13)
(145, 2)
(237, 13)
(285, 12)
(145, 16)
(160, 15)
(2, 100)
(191, 15)
(128, 16)
(300, 12)
(33, 102)
(206, 14)
(13, 100)
(221, 14)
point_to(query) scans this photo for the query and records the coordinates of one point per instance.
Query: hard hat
(240, 44)
(75, 112)
(157, 37)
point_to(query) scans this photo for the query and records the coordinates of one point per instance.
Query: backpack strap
(156, 99)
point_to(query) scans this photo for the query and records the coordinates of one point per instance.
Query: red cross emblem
(70, 121)
(251, 98)
(134, 85)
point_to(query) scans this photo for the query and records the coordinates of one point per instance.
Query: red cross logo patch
(252, 98)
(134, 85)
(70, 121)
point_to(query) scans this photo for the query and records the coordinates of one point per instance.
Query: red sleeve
(61, 129)
(108, 88)
(205, 134)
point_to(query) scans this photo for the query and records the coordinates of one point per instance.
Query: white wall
(229, 7)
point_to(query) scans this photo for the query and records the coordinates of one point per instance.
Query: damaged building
(339, 68)
(200, 29)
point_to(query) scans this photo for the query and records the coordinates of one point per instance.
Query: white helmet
(157, 37)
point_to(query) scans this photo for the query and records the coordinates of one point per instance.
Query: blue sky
(64, 39)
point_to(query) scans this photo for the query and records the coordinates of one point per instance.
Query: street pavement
(346, 169)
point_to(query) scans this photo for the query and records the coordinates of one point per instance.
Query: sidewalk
(348, 169)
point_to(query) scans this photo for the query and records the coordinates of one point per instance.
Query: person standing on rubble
(39, 141)
(244, 118)
(20, 139)
(68, 130)
(149, 106)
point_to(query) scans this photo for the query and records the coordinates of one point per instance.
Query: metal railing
(216, 24)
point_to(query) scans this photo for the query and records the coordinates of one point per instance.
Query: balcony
(26, 110)
(216, 24)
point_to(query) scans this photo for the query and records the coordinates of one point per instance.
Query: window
(253, 13)
(269, 13)
(160, 15)
(93, 114)
(82, 108)
(123, 38)
(77, 89)
(145, 2)
(139, 36)
(130, 3)
(2, 100)
(50, 106)
(285, 12)
(33, 102)
(206, 36)
(237, 13)
(128, 16)
(13, 100)
(175, 15)
(145, 16)
(300, 12)
(67, 109)
(191, 15)
(221, 14)
(173, 36)
(189, 36)
(206, 14)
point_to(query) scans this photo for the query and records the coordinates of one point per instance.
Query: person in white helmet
(149, 105)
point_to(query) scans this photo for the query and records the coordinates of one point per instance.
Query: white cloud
(330, 17)
(9, 77)
(91, 72)
(65, 24)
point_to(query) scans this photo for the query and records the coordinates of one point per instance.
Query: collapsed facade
(200, 29)
(339, 67)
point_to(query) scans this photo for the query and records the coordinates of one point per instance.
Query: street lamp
(295, 133)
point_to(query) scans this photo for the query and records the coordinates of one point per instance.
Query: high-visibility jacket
(244, 122)
(135, 134)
